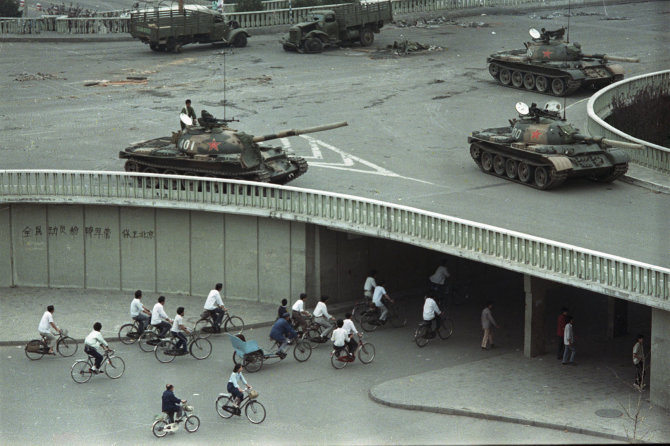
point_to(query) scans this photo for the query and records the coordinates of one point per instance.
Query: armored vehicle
(340, 25)
(551, 65)
(540, 149)
(167, 27)
(212, 149)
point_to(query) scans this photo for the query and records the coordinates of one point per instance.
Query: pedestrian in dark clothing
(282, 308)
(281, 332)
(638, 361)
(171, 403)
(569, 341)
(560, 331)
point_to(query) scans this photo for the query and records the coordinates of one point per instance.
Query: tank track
(260, 175)
(617, 171)
(571, 85)
(550, 180)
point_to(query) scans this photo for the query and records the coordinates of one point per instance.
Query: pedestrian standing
(569, 341)
(638, 361)
(487, 325)
(560, 331)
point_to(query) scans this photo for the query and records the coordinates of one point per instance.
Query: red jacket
(562, 320)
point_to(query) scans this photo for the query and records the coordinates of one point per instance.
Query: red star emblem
(214, 145)
(546, 54)
(536, 134)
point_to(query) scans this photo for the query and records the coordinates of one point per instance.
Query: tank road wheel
(494, 70)
(511, 168)
(475, 153)
(487, 161)
(541, 84)
(314, 45)
(367, 37)
(517, 79)
(542, 178)
(240, 40)
(529, 81)
(558, 87)
(525, 172)
(499, 165)
(505, 76)
(131, 166)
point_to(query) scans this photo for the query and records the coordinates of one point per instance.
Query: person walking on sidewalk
(569, 341)
(138, 312)
(560, 331)
(45, 326)
(487, 325)
(638, 361)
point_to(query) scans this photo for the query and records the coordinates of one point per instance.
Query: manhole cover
(609, 413)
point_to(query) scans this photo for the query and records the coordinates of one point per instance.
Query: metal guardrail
(617, 276)
(599, 108)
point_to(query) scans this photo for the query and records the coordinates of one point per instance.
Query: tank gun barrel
(294, 132)
(613, 58)
(609, 142)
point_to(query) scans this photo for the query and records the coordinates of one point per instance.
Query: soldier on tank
(189, 111)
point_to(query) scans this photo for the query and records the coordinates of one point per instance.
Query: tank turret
(541, 149)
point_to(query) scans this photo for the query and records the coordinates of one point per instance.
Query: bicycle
(199, 348)
(423, 333)
(340, 357)
(149, 339)
(253, 409)
(313, 332)
(205, 325)
(252, 357)
(130, 333)
(360, 307)
(162, 425)
(370, 317)
(113, 366)
(65, 346)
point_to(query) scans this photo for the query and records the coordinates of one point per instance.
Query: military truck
(167, 28)
(338, 26)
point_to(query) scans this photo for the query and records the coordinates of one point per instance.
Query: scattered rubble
(136, 80)
(406, 46)
(37, 77)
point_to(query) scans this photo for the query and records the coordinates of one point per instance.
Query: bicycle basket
(253, 394)
(188, 408)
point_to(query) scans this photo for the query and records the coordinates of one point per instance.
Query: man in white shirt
(439, 278)
(322, 318)
(378, 298)
(138, 312)
(298, 312)
(214, 304)
(340, 335)
(430, 310)
(370, 284)
(45, 325)
(350, 328)
(569, 341)
(92, 343)
(159, 318)
(178, 329)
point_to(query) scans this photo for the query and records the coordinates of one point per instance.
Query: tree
(248, 5)
(9, 8)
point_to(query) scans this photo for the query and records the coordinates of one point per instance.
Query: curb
(659, 188)
(491, 417)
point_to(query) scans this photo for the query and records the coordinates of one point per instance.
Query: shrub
(9, 8)
(306, 3)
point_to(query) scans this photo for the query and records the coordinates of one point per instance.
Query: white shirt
(178, 320)
(321, 310)
(339, 337)
(349, 326)
(45, 322)
(377, 296)
(430, 308)
(136, 307)
(95, 339)
(234, 377)
(158, 314)
(213, 300)
(299, 305)
(487, 318)
(568, 336)
(370, 284)
(440, 275)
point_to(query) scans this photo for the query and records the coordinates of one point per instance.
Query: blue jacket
(280, 329)
(170, 401)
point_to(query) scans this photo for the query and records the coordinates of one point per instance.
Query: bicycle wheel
(366, 353)
(35, 349)
(128, 334)
(358, 311)
(200, 348)
(148, 341)
(313, 336)
(446, 328)
(369, 322)
(115, 367)
(253, 362)
(234, 325)
(302, 350)
(255, 411)
(237, 359)
(158, 428)
(339, 359)
(396, 319)
(165, 351)
(81, 371)
(224, 406)
(203, 328)
(420, 336)
(192, 423)
(67, 346)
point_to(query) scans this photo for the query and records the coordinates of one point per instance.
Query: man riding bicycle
(380, 298)
(214, 304)
(46, 323)
(170, 403)
(178, 329)
(350, 328)
(92, 343)
(298, 312)
(323, 318)
(281, 332)
(140, 313)
(160, 319)
(430, 310)
(341, 338)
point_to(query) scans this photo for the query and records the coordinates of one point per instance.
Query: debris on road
(406, 46)
(130, 80)
(37, 77)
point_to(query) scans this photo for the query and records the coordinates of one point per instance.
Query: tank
(212, 149)
(553, 66)
(540, 149)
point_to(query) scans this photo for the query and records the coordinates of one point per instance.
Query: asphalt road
(409, 117)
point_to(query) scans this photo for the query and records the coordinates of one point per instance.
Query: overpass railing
(599, 108)
(625, 278)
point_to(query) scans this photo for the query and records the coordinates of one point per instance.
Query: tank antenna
(224, 86)
(569, 14)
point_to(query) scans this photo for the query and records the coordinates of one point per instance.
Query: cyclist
(438, 281)
(46, 323)
(349, 326)
(281, 332)
(370, 284)
(177, 330)
(298, 312)
(214, 304)
(430, 311)
(235, 384)
(159, 318)
(170, 403)
(341, 338)
(139, 312)
(93, 341)
(322, 318)
(379, 298)
(282, 308)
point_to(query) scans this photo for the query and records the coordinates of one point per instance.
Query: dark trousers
(561, 348)
(299, 319)
(234, 391)
(217, 314)
(163, 328)
(352, 345)
(170, 413)
(143, 319)
(639, 373)
(93, 352)
(181, 341)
